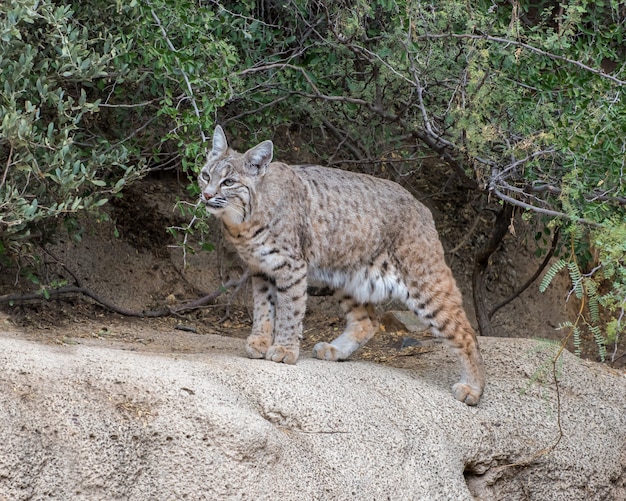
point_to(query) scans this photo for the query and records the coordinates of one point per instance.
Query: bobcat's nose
(207, 195)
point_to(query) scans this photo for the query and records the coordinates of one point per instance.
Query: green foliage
(52, 167)
(587, 288)
(92, 95)
(551, 273)
(523, 100)
(550, 369)
(190, 69)
(526, 101)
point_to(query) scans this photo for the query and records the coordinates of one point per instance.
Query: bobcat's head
(228, 179)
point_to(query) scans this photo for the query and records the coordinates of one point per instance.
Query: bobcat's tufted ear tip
(219, 141)
(260, 156)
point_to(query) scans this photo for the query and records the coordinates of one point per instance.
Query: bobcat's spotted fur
(367, 238)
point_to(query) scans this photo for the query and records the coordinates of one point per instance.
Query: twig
(186, 229)
(531, 48)
(72, 289)
(530, 157)
(235, 283)
(272, 66)
(191, 97)
(241, 281)
(182, 72)
(528, 460)
(540, 210)
(132, 134)
(256, 110)
(434, 142)
(162, 312)
(6, 170)
(555, 240)
(342, 136)
(603, 197)
(136, 105)
(471, 231)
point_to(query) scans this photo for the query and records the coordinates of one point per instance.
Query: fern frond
(594, 300)
(577, 343)
(551, 273)
(576, 277)
(600, 341)
(577, 340)
(565, 325)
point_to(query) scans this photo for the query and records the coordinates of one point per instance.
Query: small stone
(409, 342)
(395, 321)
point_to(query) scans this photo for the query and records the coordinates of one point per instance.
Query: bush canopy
(523, 100)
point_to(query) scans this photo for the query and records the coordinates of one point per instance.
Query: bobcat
(367, 238)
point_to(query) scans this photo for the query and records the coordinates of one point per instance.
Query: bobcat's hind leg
(443, 309)
(361, 326)
(262, 335)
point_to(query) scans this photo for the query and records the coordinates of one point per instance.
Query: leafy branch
(536, 50)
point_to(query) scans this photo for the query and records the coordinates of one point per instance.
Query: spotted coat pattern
(367, 238)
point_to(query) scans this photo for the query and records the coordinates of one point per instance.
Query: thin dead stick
(531, 48)
(6, 170)
(190, 94)
(162, 312)
(471, 231)
(555, 240)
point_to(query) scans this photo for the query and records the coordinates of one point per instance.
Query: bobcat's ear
(220, 145)
(259, 157)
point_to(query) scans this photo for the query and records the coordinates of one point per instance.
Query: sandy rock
(90, 422)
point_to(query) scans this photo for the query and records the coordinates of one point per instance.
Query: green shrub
(53, 163)
(94, 94)
(524, 100)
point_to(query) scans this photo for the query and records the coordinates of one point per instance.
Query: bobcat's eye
(205, 177)
(228, 182)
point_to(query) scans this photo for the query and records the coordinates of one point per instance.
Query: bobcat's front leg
(264, 297)
(290, 307)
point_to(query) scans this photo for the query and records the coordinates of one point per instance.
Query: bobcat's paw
(278, 353)
(466, 394)
(257, 346)
(326, 351)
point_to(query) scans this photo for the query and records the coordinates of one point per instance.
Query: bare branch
(517, 43)
(162, 312)
(433, 141)
(470, 232)
(542, 266)
(343, 137)
(6, 169)
(137, 105)
(603, 197)
(256, 110)
(532, 156)
(266, 67)
(190, 94)
(547, 212)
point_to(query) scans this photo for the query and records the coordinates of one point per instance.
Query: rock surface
(88, 422)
